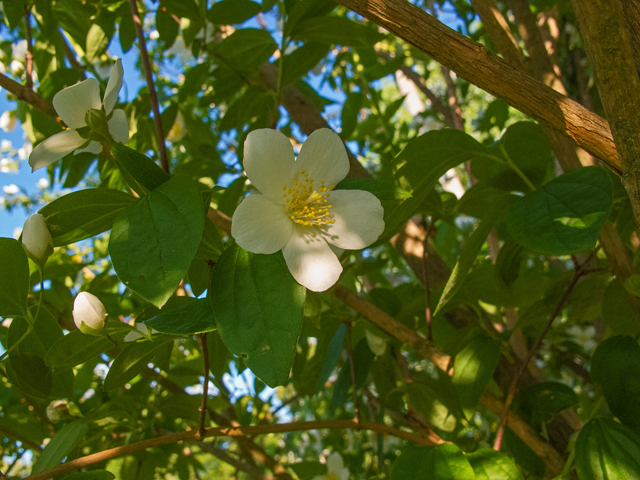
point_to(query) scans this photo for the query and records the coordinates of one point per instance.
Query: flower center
(306, 204)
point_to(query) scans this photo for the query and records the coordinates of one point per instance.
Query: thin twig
(353, 375)
(153, 97)
(225, 432)
(29, 52)
(427, 312)
(579, 272)
(205, 382)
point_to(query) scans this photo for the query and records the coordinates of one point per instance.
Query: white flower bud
(57, 409)
(88, 311)
(36, 238)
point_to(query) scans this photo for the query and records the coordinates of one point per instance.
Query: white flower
(36, 237)
(16, 68)
(181, 49)
(335, 469)
(584, 336)
(177, 131)
(72, 104)
(297, 210)
(57, 409)
(19, 50)
(11, 189)
(89, 311)
(5, 144)
(8, 121)
(42, 183)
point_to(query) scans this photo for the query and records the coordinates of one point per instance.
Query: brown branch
(205, 382)
(631, 10)
(353, 374)
(474, 63)
(26, 94)
(29, 52)
(153, 97)
(225, 432)
(608, 46)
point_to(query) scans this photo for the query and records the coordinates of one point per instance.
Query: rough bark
(474, 63)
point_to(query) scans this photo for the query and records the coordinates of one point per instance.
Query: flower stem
(205, 383)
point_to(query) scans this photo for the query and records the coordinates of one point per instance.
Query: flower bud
(37, 239)
(89, 314)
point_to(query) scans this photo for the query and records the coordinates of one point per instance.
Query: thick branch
(29, 96)
(608, 46)
(474, 63)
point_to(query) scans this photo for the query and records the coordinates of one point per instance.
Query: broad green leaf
(194, 317)
(616, 367)
(168, 30)
(480, 200)
(61, 444)
(336, 31)
(75, 348)
(473, 369)
(97, 42)
(227, 12)
(232, 196)
(541, 402)
(382, 190)
(182, 8)
(132, 360)
(491, 465)
(606, 450)
(211, 246)
(153, 242)
(565, 215)
(632, 285)
(253, 108)
(331, 358)
(508, 263)
(258, 308)
(434, 396)
(441, 462)
(245, 49)
(298, 63)
(527, 148)
(14, 278)
(362, 359)
(91, 475)
(26, 367)
(141, 173)
(418, 167)
(84, 213)
(466, 260)
(617, 310)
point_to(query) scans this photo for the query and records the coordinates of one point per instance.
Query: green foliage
(62, 443)
(445, 462)
(14, 281)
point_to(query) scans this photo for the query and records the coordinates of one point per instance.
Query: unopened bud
(36, 238)
(89, 314)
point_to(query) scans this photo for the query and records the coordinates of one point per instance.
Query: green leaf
(211, 246)
(258, 307)
(331, 358)
(298, 63)
(148, 254)
(418, 167)
(132, 360)
(97, 42)
(168, 30)
(84, 213)
(362, 359)
(606, 450)
(434, 395)
(527, 147)
(541, 402)
(466, 260)
(75, 348)
(61, 444)
(14, 278)
(616, 367)
(474, 367)
(232, 196)
(141, 173)
(632, 285)
(194, 317)
(91, 475)
(227, 12)
(565, 215)
(491, 465)
(336, 31)
(182, 8)
(441, 462)
(245, 49)
(382, 190)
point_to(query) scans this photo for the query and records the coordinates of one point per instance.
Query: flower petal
(119, 126)
(73, 103)
(113, 88)
(335, 464)
(260, 226)
(310, 260)
(359, 219)
(93, 147)
(269, 162)
(324, 157)
(54, 148)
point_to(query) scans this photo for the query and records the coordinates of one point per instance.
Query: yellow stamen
(305, 205)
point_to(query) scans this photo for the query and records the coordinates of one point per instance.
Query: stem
(29, 53)
(205, 383)
(427, 311)
(514, 383)
(153, 97)
(353, 375)
(244, 432)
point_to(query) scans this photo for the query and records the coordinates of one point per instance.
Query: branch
(474, 63)
(608, 46)
(153, 97)
(225, 432)
(205, 382)
(29, 52)
(26, 94)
